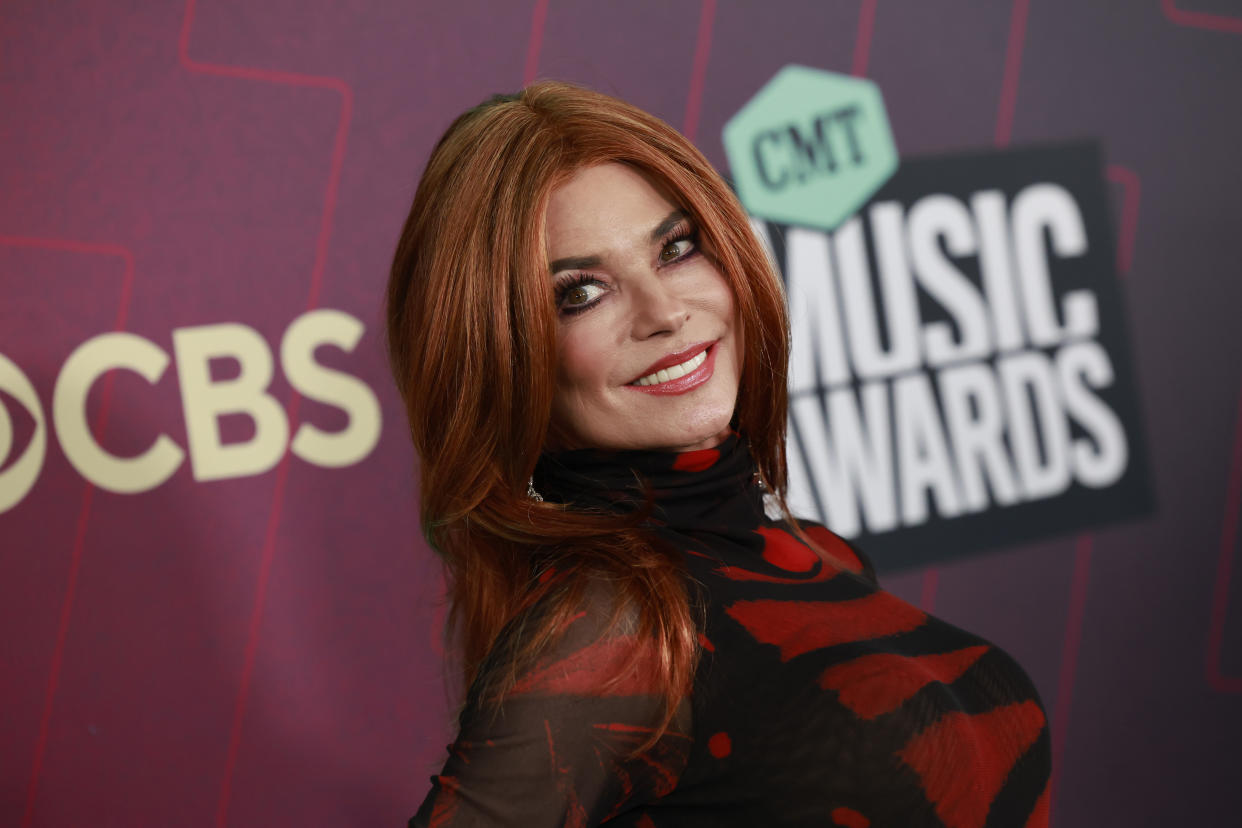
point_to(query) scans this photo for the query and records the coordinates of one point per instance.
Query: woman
(592, 345)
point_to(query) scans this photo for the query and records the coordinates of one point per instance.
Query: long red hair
(472, 329)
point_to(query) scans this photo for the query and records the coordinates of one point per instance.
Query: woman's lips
(687, 382)
(676, 358)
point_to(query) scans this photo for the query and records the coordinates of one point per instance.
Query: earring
(531, 493)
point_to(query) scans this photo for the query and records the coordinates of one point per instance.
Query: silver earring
(531, 493)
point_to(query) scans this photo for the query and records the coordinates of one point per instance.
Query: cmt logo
(782, 153)
(810, 147)
(204, 401)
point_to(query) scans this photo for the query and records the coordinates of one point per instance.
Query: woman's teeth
(666, 374)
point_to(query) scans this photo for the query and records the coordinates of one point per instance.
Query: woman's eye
(675, 250)
(581, 295)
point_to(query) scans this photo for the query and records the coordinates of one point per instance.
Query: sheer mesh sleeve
(554, 752)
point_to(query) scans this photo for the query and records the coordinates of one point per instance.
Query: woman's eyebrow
(575, 263)
(670, 221)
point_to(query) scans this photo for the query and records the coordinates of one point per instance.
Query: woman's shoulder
(579, 636)
(837, 548)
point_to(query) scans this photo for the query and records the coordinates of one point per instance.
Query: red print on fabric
(963, 759)
(720, 745)
(585, 671)
(736, 573)
(576, 816)
(849, 818)
(799, 627)
(835, 546)
(783, 550)
(786, 552)
(446, 803)
(1039, 815)
(873, 685)
(696, 461)
(620, 738)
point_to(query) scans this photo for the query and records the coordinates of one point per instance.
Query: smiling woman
(591, 345)
(645, 319)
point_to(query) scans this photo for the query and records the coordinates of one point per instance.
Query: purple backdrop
(262, 649)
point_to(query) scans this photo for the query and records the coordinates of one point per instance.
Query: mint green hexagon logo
(811, 147)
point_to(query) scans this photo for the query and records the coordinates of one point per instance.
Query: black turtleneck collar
(706, 488)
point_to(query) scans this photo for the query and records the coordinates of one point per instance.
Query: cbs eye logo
(19, 478)
(203, 402)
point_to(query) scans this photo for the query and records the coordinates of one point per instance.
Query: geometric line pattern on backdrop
(698, 69)
(534, 44)
(84, 513)
(1013, 70)
(1216, 679)
(1200, 20)
(346, 93)
(862, 40)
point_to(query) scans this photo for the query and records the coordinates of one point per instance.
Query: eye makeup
(574, 282)
(582, 282)
(683, 231)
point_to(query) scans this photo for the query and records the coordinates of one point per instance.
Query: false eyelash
(576, 280)
(683, 231)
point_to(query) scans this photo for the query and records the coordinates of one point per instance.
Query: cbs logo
(203, 402)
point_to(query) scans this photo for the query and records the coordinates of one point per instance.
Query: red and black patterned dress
(820, 698)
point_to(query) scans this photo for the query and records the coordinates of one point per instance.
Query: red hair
(472, 337)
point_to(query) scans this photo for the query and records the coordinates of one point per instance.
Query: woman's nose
(657, 308)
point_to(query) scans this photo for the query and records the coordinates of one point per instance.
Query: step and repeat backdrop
(1015, 380)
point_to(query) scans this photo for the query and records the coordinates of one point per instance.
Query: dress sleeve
(554, 752)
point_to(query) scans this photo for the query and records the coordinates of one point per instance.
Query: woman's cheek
(582, 362)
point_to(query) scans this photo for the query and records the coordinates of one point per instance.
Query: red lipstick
(684, 383)
(675, 358)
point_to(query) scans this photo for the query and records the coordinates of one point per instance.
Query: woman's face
(648, 345)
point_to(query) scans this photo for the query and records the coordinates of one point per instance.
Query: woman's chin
(685, 428)
(711, 441)
(701, 435)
